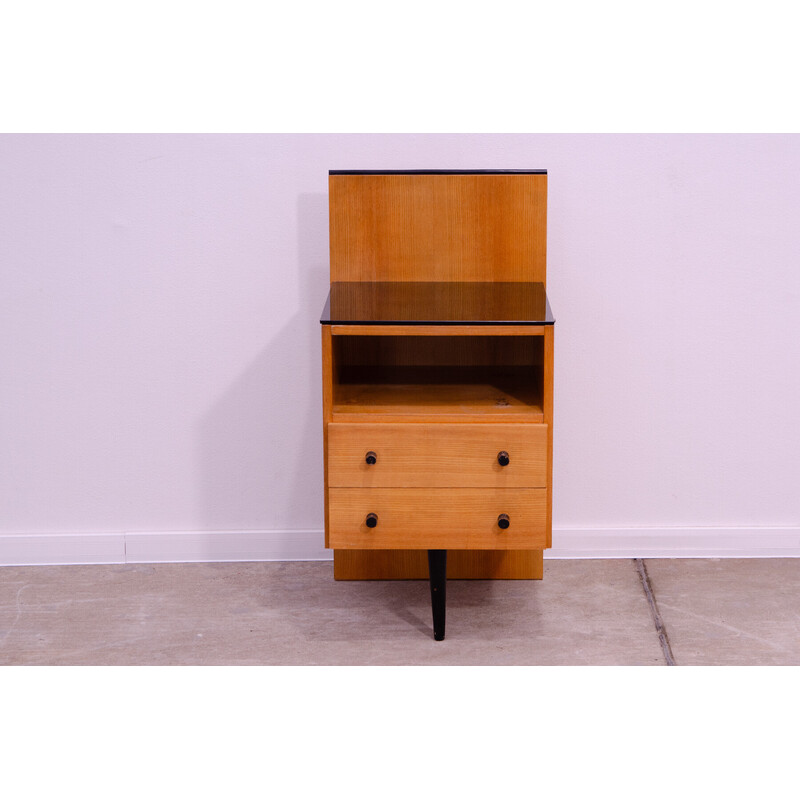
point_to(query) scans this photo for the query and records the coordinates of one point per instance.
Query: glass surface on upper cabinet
(436, 303)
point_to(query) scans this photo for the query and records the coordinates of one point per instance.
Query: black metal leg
(437, 570)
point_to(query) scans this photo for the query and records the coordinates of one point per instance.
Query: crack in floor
(19, 614)
(720, 624)
(657, 621)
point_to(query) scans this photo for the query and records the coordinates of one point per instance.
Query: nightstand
(437, 356)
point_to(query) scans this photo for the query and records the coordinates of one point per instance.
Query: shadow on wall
(260, 445)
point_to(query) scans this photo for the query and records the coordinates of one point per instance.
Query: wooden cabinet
(437, 345)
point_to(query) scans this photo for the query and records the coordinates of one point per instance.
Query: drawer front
(463, 519)
(437, 455)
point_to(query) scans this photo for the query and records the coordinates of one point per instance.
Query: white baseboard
(739, 542)
(227, 546)
(22, 549)
(304, 545)
(132, 547)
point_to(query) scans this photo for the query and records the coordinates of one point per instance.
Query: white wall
(160, 359)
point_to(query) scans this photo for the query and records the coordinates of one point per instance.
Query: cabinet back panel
(438, 350)
(475, 227)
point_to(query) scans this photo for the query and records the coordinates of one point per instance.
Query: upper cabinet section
(438, 226)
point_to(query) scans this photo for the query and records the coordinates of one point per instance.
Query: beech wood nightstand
(437, 359)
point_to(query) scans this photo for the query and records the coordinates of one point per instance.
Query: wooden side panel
(388, 565)
(547, 409)
(440, 519)
(438, 227)
(437, 455)
(328, 375)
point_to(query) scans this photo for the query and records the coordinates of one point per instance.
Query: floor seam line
(657, 621)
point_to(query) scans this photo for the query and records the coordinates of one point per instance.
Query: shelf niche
(447, 378)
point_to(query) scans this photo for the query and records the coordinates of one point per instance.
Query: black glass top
(437, 172)
(436, 303)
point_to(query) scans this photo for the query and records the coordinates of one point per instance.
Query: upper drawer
(437, 455)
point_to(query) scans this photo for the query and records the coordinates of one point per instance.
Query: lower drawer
(462, 519)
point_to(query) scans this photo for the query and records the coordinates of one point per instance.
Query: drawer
(437, 455)
(463, 519)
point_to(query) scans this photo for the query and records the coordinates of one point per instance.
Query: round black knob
(503, 521)
(372, 520)
(371, 457)
(502, 458)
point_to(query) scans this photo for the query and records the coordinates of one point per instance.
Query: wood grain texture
(387, 565)
(437, 455)
(438, 330)
(439, 519)
(438, 227)
(328, 372)
(547, 407)
(451, 402)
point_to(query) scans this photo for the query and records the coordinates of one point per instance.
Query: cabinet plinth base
(388, 565)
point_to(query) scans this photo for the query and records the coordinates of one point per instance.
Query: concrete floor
(598, 612)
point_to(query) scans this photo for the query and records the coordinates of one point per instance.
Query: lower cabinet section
(389, 565)
(481, 519)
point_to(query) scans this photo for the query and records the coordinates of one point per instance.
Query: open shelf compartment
(446, 378)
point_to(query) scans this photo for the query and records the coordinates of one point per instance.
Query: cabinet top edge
(437, 172)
